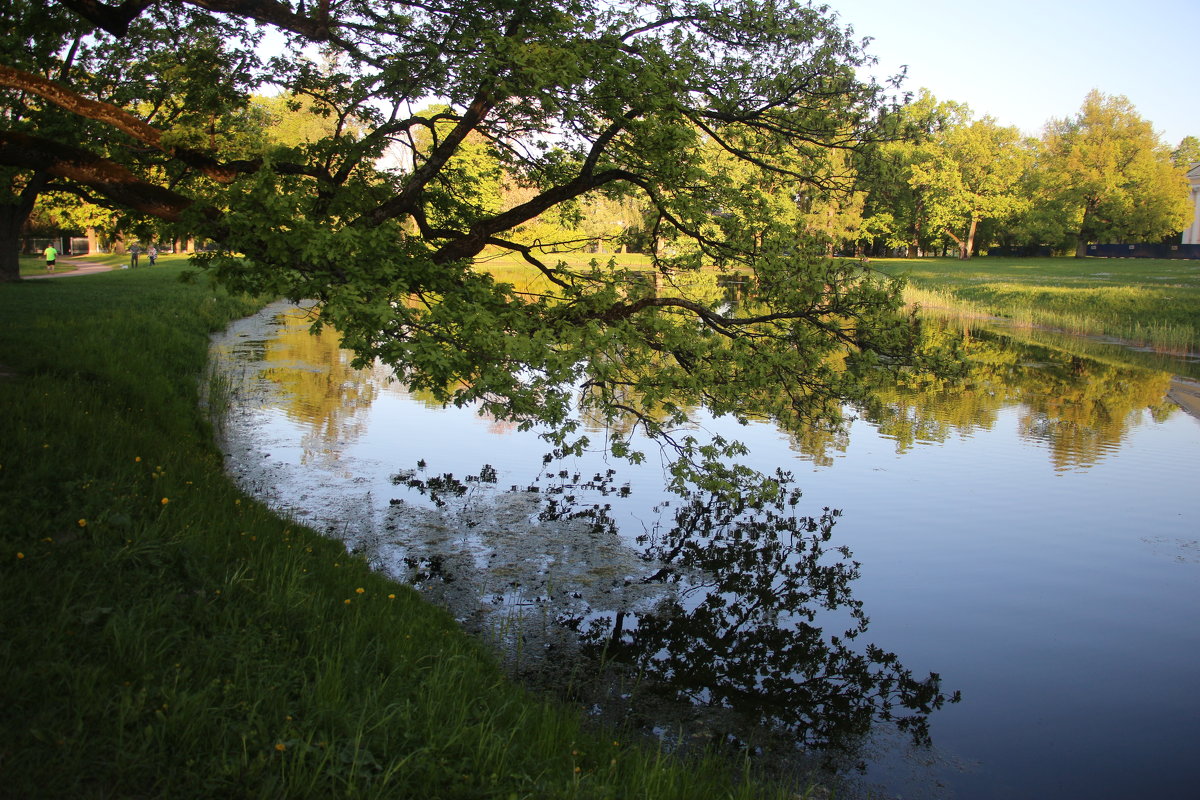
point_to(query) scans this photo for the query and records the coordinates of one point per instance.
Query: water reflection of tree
(1082, 408)
(751, 584)
(323, 392)
(747, 588)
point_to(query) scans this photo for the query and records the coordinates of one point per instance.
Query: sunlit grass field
(36, 264)
(1155, 302)
(163, 635)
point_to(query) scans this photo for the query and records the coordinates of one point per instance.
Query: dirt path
(71, 266)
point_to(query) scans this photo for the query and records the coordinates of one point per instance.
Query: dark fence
(1144, 250)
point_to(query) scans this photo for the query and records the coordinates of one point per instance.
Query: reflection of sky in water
(1061, 597)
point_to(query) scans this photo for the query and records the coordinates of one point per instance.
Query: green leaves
(716, 132)
(1108, 176)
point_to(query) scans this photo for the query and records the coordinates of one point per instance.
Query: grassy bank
(1149, 301)
(162, 635)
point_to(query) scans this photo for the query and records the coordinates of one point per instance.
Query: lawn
(1154, 302)
(36, 264)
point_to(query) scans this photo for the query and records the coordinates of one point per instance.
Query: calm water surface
(1035, 539)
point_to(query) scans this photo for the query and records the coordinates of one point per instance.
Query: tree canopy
(974, 173)
(1107, 175)
(674, 107)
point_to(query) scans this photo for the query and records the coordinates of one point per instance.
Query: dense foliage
(705, 115)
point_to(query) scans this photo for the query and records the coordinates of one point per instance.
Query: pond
(1032, 536)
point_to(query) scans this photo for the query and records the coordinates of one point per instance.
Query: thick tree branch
(116, 19)
(123, 121)
(102, 174)
(404, 202)
(474, 242)
(113, 19)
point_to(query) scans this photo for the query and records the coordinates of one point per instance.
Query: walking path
(71, 265)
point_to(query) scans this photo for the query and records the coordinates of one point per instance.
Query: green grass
(1154, 302)
(163, 635)
(36, 264)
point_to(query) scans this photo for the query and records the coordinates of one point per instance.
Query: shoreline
(1185, 393)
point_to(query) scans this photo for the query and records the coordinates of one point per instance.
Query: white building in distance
(1192, 234)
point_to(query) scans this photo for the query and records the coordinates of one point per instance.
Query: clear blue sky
(1026, 61)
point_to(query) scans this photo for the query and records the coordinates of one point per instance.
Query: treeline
(940, 181)
(965, 184)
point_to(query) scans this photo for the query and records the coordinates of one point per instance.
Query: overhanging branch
(102, 174)
(123, 121)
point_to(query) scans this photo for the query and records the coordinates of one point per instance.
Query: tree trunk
(13, 215)
(11, 221)
(964, 251)
(1086, 228)
(970, 239)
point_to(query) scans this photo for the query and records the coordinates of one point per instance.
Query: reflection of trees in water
(728, 614)
(1084, 408)
(323, 392)
(1080, 407)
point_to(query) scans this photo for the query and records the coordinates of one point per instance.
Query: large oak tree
(573, 100)
(1106, 175)
(973, 173)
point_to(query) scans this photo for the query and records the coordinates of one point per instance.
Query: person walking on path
(51, 256)
(133, 255)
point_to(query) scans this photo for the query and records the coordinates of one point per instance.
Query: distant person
(51, 256)
(133, 255)
(152, 254)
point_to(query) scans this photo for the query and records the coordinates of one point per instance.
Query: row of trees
(1103, 175)
(736, 135)
(952, 182)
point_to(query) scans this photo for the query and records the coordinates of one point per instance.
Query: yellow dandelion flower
(346, 601)
(281, 747)
(83, 523)
(137, 458)
(359, 590)
(165, 501)
(20, 555)
(391, 597)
